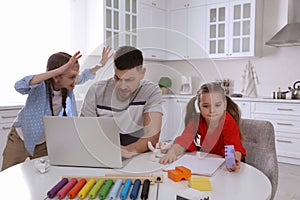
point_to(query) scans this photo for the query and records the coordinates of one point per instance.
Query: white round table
(24, 182)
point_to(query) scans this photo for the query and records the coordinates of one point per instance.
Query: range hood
(289, 35)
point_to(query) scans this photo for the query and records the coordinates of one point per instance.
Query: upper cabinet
(161, 4)
(234, 28)
(186, 30)
(120, 19)
(152, 22)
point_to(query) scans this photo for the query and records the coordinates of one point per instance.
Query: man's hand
(127, 152)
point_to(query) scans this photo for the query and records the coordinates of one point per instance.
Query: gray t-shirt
(101, 101)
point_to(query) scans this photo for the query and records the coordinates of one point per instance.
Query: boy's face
(127, 81)
(67, 80)
(212, 106)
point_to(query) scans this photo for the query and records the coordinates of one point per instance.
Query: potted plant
(165, 84)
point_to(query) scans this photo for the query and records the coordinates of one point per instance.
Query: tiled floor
(289, 181)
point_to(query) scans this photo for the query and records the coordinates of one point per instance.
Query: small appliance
(186, 85)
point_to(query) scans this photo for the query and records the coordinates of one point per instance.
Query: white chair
(260, 147)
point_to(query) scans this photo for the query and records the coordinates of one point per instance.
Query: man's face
(127, 81)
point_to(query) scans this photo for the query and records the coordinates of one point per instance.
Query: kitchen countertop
(17, 105)
(172, 96)
(11, 106)
(257, 99)
(266, 99)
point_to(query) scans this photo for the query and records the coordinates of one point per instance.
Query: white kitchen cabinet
(120, 18)
(7, 116)
(234, 29)
(186, 35)
(285, 117)
(151, 31)
(180, 4)
(245, 108)
(173, 119)
(160, 4)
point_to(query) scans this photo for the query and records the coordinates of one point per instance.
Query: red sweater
(227, 133)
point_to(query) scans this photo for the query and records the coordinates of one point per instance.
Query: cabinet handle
(285, 109)
(153, 56)
(285, 141)
(8, 116)
(181, 101)
(284, 124)
(5, 127)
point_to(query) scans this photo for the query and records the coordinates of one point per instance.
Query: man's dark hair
(128, 57)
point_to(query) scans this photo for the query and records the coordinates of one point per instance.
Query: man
(133, 102)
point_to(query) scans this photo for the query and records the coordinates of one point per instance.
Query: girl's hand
(169, 157)
(238, 157)
(106, 55)
(72, 61)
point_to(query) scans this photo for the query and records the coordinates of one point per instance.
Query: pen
(145, 189)
(135, 189)
(51, 193)
(125, 189)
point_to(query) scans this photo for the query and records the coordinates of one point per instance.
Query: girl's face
(212, 106)
(67, 79)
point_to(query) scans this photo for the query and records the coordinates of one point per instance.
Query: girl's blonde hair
(232, 108)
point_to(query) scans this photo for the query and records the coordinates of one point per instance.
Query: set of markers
(102, 188)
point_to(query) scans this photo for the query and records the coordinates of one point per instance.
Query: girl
(218, 126)
(49, 93)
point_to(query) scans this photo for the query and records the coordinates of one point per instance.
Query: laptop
(83, 141)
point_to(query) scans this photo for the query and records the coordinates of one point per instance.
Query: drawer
(281, 123)
(5, 126)
(276, 108)
(8, 115)
(288, 146)
(245, 108)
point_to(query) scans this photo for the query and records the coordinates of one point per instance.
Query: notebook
(83, 141)
(199, 165)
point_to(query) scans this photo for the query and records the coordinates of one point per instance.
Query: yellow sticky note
(199, 183)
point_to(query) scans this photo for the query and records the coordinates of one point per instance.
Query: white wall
(31, 31)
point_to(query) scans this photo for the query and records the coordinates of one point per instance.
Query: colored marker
(115, 190)
(145, 189)
(52, 193)
(125, 189)
(73, 192)
(135, 189)
(63, 192)
(105, 189)
(96, 188)
(87, 187)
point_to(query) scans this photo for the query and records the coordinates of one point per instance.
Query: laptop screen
(83, 141)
